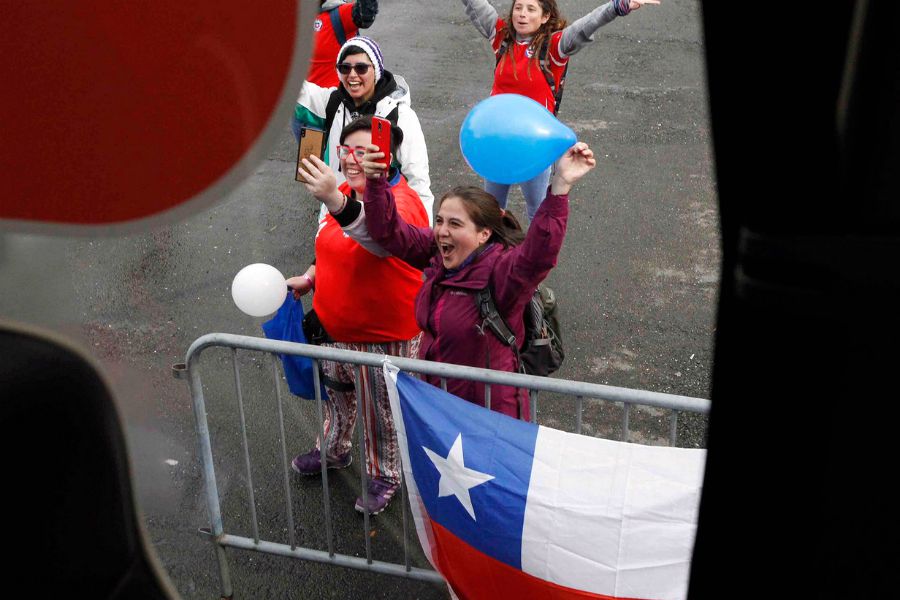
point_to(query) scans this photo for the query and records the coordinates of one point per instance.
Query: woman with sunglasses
(366, 88)
(472, 246)
(364, 301)
(532, 46)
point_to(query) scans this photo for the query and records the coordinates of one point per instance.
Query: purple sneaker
(378, 496)
(311, 462)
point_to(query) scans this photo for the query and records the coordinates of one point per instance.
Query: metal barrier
(534, 384)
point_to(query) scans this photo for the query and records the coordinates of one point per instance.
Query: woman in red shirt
(532, 47)
(364, 300)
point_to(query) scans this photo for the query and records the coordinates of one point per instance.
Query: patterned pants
(382, 450)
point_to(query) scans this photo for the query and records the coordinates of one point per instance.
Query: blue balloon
(509, 138)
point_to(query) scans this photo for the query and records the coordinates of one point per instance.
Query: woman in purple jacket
(473, 245)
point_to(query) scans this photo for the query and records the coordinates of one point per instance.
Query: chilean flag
(508, 509)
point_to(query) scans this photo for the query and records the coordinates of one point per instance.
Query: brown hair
(508, 33)
(484, 211)
(364, 123)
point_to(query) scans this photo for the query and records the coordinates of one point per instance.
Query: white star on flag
(456, 478)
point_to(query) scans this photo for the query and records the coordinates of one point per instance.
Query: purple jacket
(445, 306)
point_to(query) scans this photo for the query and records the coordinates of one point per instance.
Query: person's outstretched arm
(523, 268)
(311, 104)
(411, 244)
(413, 158)
(581, 33)
(483, 16)
(364, 12)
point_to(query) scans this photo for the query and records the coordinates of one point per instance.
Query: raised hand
(572, 166)
(319, 179)
(370, 164)
(633, 5)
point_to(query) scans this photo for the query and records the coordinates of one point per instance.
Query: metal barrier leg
(579, 412)
(284, 455)
(240, 398)
(673, 428)
(326, 493)
(406, 561)
(209, 474)
(361, 442)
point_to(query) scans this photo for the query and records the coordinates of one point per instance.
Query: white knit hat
(371, 49)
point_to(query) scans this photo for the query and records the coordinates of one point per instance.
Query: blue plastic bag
(287, 326)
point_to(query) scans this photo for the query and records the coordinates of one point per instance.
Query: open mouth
(352, 170)
(354, 86)
(446, 249)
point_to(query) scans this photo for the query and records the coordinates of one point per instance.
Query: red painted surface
(116, 111)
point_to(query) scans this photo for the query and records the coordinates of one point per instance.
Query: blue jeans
(295, 127)
(534, 190)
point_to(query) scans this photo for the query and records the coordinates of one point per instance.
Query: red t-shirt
(326, 46)
(360, 297)
(527, 79)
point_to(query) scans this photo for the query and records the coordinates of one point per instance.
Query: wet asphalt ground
(637, 284)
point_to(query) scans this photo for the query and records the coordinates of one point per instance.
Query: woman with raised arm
(532, 46)
(364, 301)
(474, 245)
(368, 88)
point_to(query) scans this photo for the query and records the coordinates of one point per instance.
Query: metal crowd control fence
(579, 390)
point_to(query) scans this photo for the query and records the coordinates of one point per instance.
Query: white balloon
(259, 289)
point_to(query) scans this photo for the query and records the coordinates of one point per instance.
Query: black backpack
(542, 353)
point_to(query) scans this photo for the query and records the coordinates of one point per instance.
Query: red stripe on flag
(473, 574)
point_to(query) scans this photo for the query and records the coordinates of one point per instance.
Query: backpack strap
(557, 91)
(504, 46)
(338, 26)
(334, 101)
(491, 317)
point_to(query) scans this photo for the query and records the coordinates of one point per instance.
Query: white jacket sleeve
(314, 98)
(413, 158)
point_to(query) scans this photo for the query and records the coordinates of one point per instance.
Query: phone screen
(311, 144)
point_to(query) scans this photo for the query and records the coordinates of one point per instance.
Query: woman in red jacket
(474, 245)
(532, 46)
(364, 301)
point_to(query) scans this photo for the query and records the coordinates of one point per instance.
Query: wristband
(343, 206)
(312, 283)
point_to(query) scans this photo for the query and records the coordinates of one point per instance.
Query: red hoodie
(361, 297)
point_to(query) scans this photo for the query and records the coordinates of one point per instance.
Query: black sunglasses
(360, 68)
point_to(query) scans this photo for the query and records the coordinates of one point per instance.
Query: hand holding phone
(311, 144)
(381, 137)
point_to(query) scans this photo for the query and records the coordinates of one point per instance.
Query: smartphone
(381, 137)
(312, 143)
